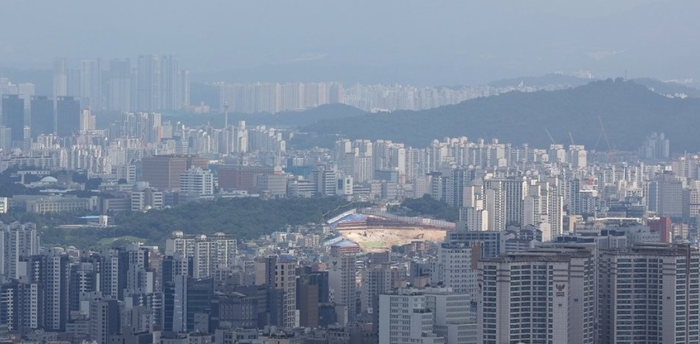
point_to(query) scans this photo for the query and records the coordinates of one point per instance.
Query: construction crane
(603, 134)
(572, 139)
(550, 136)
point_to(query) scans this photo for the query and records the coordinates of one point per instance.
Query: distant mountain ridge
(546, 80)
(628, 110)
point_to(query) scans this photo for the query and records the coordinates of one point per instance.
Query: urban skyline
(349, 172)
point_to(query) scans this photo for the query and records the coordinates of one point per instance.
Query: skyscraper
(20, 306)
(149, 83)
(161, 84)
(342, 275)
(455, 268)
(119, 94)
(42, 116)
(649, 294)
(278, 273)
(404, 317)
(52, 272)
(60, 78)
(91, 84)
(17, 241)
(504, 201)
(67, 116)
(545, 296)
(104, 320)
(13, 116)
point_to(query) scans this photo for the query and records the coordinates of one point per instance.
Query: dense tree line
(427, 206)
(245, 218)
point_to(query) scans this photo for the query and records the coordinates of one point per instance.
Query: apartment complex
(544, 296)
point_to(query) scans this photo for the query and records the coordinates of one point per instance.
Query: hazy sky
(422, 42)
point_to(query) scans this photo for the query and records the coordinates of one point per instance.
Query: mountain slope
(629, 112)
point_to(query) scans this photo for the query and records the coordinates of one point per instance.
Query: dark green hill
(628, 110)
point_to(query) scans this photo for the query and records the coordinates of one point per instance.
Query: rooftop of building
(654, 249)
(542, 254)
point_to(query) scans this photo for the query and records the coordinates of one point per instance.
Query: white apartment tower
(544, 296)
(454, 318)
(179, 243)
(212, 253)
(342, 275)
(455, 268)
(649, 293)
(17, 241)
(196, 181)
(404, 317)
(504, 201)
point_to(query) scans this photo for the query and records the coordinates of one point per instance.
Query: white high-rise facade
(197, 181)
(91, 85)
(649, 293)
(544, 296)
(60, 78)
(119, 86)
(455, 268)
(17, 241)
(454, 317)
(342, 270)
(210, 253)
(404, 317)
(504, 201)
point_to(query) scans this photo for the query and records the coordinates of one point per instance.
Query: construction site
(375, 230)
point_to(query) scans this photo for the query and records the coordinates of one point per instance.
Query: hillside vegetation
(244, 218)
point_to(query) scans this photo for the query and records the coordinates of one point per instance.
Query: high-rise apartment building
(119, 86)
(20, 306)
(544, 296)
(278, 273)
(17, 241)
(649, 293)
(670, 196)
(161, 85)
(342, 271)
(312, 290)
(454, 315)
(457, 268)
(52, 272)
(205, 259)
(91, 84)
(104, 320)
(404, 317)
(13, 116)
(491, 243)
(60, 78)
(376, 279)
(42, 120)
(504, 201)
(149, 85)
(67, 116)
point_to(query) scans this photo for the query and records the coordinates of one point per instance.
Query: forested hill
(628, 110)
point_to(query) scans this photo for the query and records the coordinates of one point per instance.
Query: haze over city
(419, 42)
(349, 172)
